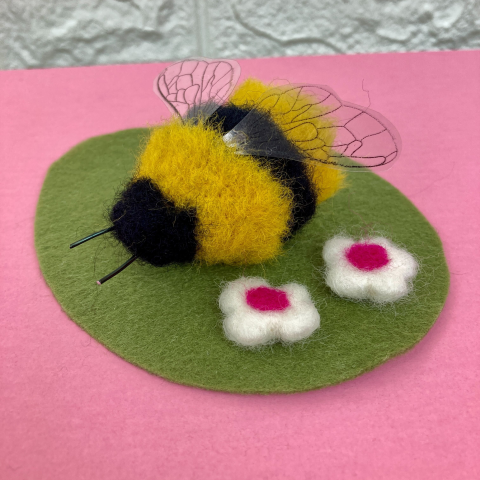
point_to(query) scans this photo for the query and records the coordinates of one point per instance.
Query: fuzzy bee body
(230, 182)
(193, 198)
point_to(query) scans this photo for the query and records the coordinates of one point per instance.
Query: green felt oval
(167, 320)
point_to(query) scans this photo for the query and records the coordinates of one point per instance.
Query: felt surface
(167, 320)
(72, 409)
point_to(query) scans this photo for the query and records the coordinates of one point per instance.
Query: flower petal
(248, 329)
(302, 319)
(385, 284)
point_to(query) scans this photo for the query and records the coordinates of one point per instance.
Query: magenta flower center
(267, 299)
(367, 256)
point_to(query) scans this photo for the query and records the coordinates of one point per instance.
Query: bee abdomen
(152, 227)
(291, 173)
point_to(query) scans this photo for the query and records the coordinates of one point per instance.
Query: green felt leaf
(167, 320)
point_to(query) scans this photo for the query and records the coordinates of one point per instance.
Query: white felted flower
(256, 314)
(374, 269)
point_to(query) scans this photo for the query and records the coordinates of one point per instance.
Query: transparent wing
(320, 126)
(197, 85)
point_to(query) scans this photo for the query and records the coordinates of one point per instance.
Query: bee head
(151, 227)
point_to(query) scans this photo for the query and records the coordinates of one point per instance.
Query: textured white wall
(48, 33)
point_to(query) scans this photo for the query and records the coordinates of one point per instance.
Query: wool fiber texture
(244, 207)
(294, 174)
(382, 285)
(250, 327)
(167, 320)
(243, 212)
(326, 179)
(152, 227)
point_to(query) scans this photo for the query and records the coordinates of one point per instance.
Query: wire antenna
(117, 271)
(89, 237)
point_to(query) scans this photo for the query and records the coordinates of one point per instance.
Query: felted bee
(236, 172)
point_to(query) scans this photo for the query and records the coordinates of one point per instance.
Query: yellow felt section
(249, 92)
(243, 211)
(326, 179)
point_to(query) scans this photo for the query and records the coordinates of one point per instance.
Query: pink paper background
(70, 409)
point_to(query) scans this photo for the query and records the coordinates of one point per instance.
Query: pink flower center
(267, 299)
(367, 256)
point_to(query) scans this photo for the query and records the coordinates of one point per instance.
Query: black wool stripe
(292, 173)
(152, 227)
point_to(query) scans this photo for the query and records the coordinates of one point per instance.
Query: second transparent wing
(320, 126)
(197, 85)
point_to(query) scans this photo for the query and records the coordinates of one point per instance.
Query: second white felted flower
(371, 269)
(257, 314)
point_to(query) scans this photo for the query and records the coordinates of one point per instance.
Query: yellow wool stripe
(242, 210)
(326, 180)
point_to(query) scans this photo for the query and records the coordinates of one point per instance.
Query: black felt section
(227, 117)
(292, 173)
(152, 227)
(167, 320)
